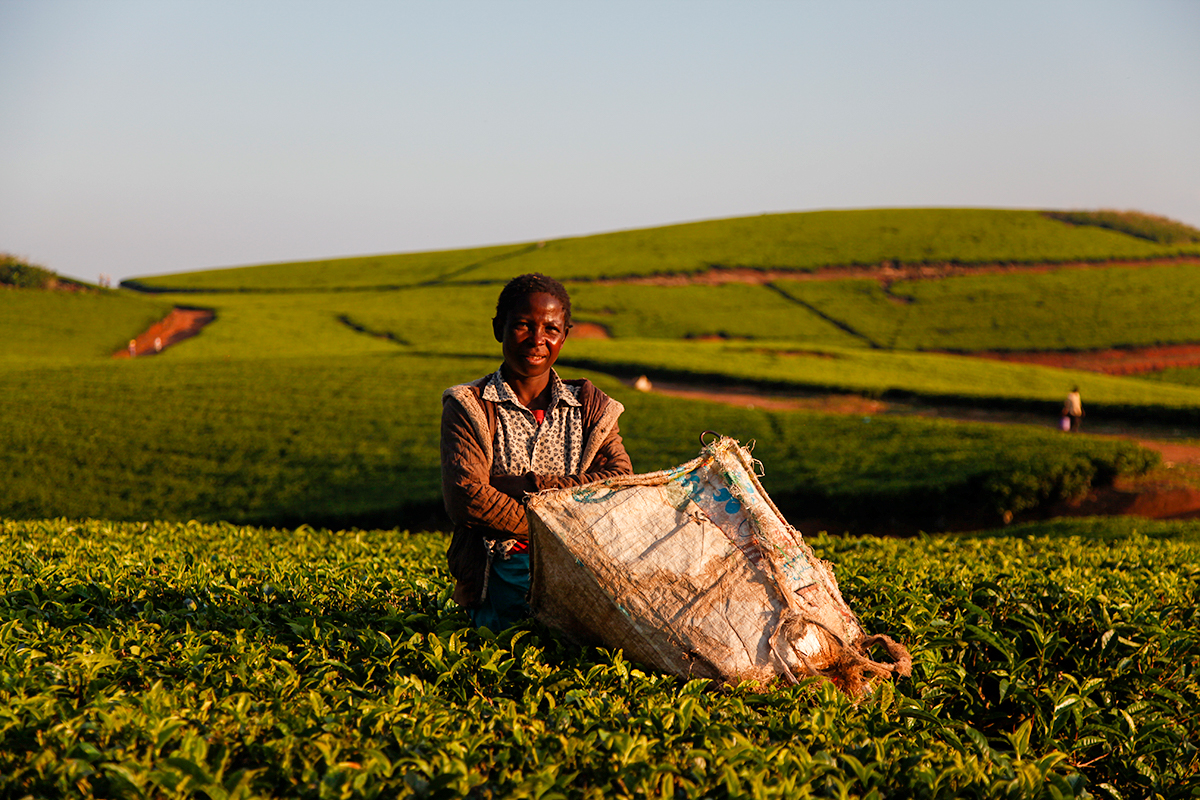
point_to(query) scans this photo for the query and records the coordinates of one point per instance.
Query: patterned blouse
(554, 447)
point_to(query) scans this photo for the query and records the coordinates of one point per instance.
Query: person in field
(521, 429)
(1073, 410)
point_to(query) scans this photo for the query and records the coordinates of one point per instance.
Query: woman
(521, 429)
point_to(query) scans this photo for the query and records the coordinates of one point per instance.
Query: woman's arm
(610, 461)
(471, 500)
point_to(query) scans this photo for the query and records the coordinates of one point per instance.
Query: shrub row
(1145, 226)
(160, 659)
(354, 441)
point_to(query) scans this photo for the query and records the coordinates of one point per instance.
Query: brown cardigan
(480, 512)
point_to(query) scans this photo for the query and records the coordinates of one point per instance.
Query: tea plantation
(1052, 660)
(343, 441)
(154, 644)
(313, 396)
(798, 241)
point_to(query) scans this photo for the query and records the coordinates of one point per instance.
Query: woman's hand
(515, 486)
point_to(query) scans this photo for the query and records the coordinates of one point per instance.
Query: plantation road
(180, 324)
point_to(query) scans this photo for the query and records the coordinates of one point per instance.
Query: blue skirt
(507, 601)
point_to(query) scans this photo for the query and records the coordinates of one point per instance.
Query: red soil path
(1114, 361)
(588, 330)
(180, 324)
(886, 273)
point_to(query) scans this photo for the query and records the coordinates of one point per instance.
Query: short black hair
(522, 287)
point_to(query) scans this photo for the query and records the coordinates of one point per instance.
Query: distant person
(158, 344)
(133, 348)
(519, 430)
(1073, 410)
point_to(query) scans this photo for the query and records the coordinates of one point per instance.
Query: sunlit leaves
(164, 660)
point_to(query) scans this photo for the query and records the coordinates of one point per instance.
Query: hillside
(313, 394)
(38, 326)
(799, 241)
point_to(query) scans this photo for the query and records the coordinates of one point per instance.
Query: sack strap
(495, 547)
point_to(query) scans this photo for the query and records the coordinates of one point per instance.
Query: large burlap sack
(694, 571)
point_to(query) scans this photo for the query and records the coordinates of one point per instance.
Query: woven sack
(694, 571)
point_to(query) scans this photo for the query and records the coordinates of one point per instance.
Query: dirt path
(180, 324)
(1169, 492)
(1111, 361)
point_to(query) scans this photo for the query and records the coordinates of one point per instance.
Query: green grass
(457, 319)
(282, 412)
(1054, 660)
(867, 470)
(322, 406)
(284, 326)
(453, 318)
(799, 241)
(359, 272)
(1059, 310)
(39, 326)
(446, 321)
(277, 440)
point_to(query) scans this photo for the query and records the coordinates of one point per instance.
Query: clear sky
(139, 138)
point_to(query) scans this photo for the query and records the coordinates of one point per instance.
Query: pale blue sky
(165, 136)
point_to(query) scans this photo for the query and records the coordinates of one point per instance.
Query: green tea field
(802, 242)
(313, 395)
(158, 660)
(223, 567)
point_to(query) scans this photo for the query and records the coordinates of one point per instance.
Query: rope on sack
(896, 651)
(793, 624)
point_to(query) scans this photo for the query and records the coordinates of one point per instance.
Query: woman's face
(533, 334)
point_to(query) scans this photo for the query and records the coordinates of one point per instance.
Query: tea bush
(343, 441)
(895, 375)
(16, 271)
(156, 659)
(1182, 377)
(1145, 226)
(1059, 310)
(60, 327)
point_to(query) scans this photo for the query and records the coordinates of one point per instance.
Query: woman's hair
(522, 287)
